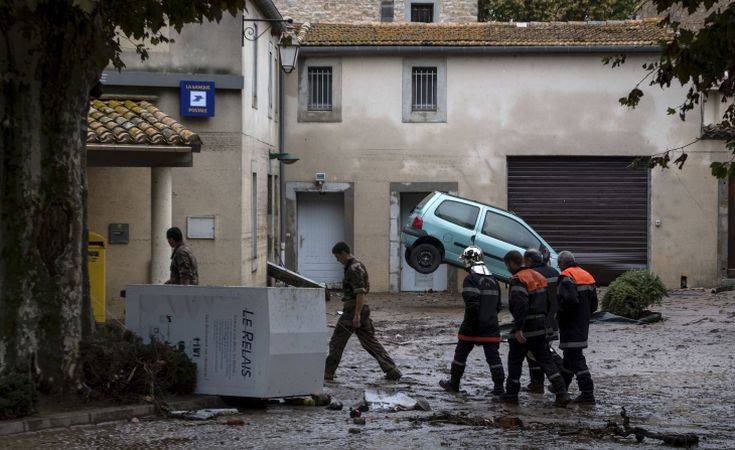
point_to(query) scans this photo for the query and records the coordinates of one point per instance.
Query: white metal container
(247, 341)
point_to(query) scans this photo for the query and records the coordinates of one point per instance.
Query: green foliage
(18, 395)
(117, 364)
(555, 10)
(699, 59)
(632, 292)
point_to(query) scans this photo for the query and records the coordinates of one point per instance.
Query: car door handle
(301, 241)
(460, 245)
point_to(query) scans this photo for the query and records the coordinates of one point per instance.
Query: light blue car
(443, 225)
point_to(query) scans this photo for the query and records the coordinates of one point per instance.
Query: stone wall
(369, 10)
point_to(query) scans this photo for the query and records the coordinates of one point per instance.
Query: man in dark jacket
(577, 302)
(481, 294)
(534, 259)
(528, 306)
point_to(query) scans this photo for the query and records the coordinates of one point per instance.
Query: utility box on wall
(96, 256)
(246, 341)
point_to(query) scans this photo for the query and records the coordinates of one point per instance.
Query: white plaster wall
(500, 106)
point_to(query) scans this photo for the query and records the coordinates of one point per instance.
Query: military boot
(585, 398)
(498, 379)
(455, 375)
(535, 388)
(560, 389)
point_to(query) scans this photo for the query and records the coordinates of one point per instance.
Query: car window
(458, 213)
(423, 202)
(508, 230)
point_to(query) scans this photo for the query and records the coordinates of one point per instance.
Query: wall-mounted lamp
(289, 52)
(285, 158)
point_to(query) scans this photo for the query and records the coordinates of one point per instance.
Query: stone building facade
(444, 11)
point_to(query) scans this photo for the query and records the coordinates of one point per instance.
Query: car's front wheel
(425, 258)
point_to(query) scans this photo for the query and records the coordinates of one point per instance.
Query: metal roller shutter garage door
(595, 207)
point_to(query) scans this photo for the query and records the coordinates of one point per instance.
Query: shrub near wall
(18, 396)
(632, 293)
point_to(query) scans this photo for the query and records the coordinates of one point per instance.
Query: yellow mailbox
(96, 264)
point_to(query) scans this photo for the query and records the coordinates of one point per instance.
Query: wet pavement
(671, 376)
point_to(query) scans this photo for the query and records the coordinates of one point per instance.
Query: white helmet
(474, 260)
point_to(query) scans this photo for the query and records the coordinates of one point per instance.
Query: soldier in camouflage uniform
(355, 318)
(183, 263)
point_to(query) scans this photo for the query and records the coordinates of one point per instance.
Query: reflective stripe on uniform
(573, 344)
(584, 372)
(458, 363)
(496, 366)
(556, 375)
(519, 289)
(552, 280)
(511, 380)
(534, 333)
(491, 293)
(585, 287)
(565, 370)
(535, 368)
(536, 316)
(481, 339)
(471, 290)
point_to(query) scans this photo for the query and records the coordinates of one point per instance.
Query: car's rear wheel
(425, 258)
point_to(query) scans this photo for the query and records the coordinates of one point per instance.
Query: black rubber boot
(498, 379)
(455, 375)
(393, 375)
(507, 398)
(560, 389)
(535, 388)
(585, 398)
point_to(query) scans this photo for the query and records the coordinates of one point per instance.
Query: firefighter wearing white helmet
(481, 294)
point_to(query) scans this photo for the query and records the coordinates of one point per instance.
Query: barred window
(422, 12)
(423, 87)
(386, 11)
(320, 88)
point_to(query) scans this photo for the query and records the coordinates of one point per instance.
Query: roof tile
(124, 121)
(627, 32)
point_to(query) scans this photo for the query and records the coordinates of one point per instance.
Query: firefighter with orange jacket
(534, 259)
(577, 301)
(481, 294)
(529, 307)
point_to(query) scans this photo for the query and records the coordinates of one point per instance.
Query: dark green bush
(18, 395)
(117, 364)
(632, 292)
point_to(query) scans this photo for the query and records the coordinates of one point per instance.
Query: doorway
(320, 226)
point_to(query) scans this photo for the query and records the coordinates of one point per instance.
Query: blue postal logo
(197, 98)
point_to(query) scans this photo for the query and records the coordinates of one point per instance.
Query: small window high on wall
(320, 89)
(422, 12)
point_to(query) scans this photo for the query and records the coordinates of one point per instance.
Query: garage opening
(596, 207)
(320, 225)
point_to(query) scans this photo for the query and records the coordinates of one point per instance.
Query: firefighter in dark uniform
(355, 318)
(577, 302)
(184, 269)
(534, 259)
(529, 307)
(481, 294)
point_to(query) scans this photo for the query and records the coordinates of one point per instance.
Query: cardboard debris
(378, 400)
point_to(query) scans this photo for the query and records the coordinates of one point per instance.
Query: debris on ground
(672, 439)
(382, 401)
(450, 418)
(202, 414)
(508, 422)
(359, 421)
(322, 399)
(335, 406)
(355, 412)
(235, 421)
(606, 317)
(134, 420)
(354, 431)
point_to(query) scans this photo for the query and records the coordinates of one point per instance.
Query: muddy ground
(674, 376)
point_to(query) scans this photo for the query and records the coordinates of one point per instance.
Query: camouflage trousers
(365, 333)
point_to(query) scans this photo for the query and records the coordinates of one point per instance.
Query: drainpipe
(281, 167)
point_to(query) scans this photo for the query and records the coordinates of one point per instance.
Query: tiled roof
(621, 33)
(135, 123)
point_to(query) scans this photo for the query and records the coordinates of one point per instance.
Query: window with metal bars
(422, 12)
(423, 88)
(387, 11)
(320, 89)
